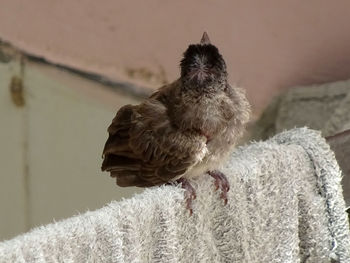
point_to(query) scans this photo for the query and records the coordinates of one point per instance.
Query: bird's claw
(190, 193)
(220, 182)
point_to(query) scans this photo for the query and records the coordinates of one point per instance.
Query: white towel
(285, 205)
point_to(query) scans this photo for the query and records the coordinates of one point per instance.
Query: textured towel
(285, 205)
(327, 106)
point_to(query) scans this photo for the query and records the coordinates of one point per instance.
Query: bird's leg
(220, 182)
(190, 193)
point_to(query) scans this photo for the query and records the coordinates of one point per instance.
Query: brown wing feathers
(140, 150)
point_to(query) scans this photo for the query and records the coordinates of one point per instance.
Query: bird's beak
(205, 39)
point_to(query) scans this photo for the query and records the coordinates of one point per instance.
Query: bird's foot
(190, 193)
(220, 182)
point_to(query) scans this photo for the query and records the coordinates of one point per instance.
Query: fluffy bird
(183, 130)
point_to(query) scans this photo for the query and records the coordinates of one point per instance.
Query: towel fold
(285, 205)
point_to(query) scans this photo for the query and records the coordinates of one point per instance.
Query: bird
(183, 130)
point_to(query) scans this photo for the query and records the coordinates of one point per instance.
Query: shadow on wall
(55, 126)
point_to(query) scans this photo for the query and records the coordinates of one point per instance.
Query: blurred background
(66, 67)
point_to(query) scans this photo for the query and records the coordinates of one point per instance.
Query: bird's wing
(144, 149)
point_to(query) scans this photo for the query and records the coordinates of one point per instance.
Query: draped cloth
(285, 204)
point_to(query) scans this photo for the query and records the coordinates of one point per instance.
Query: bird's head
(202, 67)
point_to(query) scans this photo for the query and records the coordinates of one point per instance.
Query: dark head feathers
(202, 61)
(202, 55)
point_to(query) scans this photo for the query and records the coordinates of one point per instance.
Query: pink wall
(269, 45)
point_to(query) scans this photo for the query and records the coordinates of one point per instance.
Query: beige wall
(13, 202)
(51, 148)
(269, 45)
